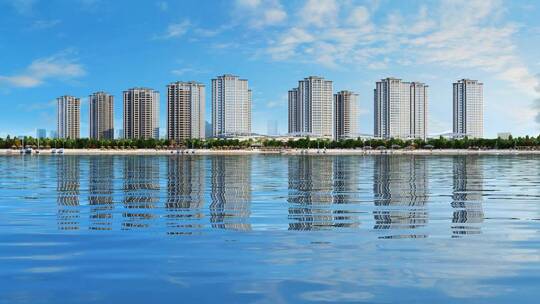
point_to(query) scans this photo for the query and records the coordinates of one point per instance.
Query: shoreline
(278, 152)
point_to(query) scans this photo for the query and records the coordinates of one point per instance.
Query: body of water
(269, 229)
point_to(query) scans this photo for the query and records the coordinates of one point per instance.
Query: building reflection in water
(100, 192)
(467, 195)
(400, 189)
(68, 191)
(185, 194)
(315, 185)
(141, 191)
(231, 192)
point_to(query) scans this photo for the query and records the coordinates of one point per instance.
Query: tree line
(526, 142)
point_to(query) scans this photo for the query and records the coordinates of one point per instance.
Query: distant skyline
(55, 48)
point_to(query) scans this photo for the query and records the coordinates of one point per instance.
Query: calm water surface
(269, 229)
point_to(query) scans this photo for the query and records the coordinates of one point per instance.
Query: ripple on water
(326, 228)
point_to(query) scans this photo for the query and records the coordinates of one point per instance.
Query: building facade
(345, 115)
(468, 108)
(231, 106)
(141, 113)
(101, 115)
(295, 112)
(68, 117)
(311, 107)
(185, 110)
(400, 109)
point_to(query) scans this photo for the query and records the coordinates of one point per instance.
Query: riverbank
(278, 152)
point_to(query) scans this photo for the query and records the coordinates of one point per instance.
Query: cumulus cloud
(260, 13)
(319, 13)
(60, 66)
(359, 16)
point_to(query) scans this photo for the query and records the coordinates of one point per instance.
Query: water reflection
(346, 175)
(400, 191)
(230, 192)
(315, 184)
(467, 198)
(323, 192)
(391, 196)
(67, 191)
(100, 192)
(141, 191)
(185, 194)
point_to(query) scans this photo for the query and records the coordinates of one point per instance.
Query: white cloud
(59, 66)
(175, 30)
(44, 24)
(260, 13)
(286, 46)
(181, 71)
(319, 13)
(248, 3)
(207, 32)
(458, 34)
(359, 16)
(22, 81)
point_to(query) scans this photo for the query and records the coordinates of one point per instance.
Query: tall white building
(185, 110)
(400, 109)
(345, 115)
(141, 113)
(231, 106)
(101, 115)
(311, 107)
(468, 108)
(68, 117)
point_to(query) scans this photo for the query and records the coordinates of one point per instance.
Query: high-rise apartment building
(468, 108)
(141, 113)
(310, 107)
(68, 117)
(295, 112)
(400, 109)
(231, 106)
(345, 115)
(185, 110)
(101, 115)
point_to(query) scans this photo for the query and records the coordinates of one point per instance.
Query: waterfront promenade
(280, 151)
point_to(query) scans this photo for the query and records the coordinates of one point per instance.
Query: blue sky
(56, 47)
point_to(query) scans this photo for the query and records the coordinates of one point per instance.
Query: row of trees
(88, 143)
(433, 143)
(303, 143)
